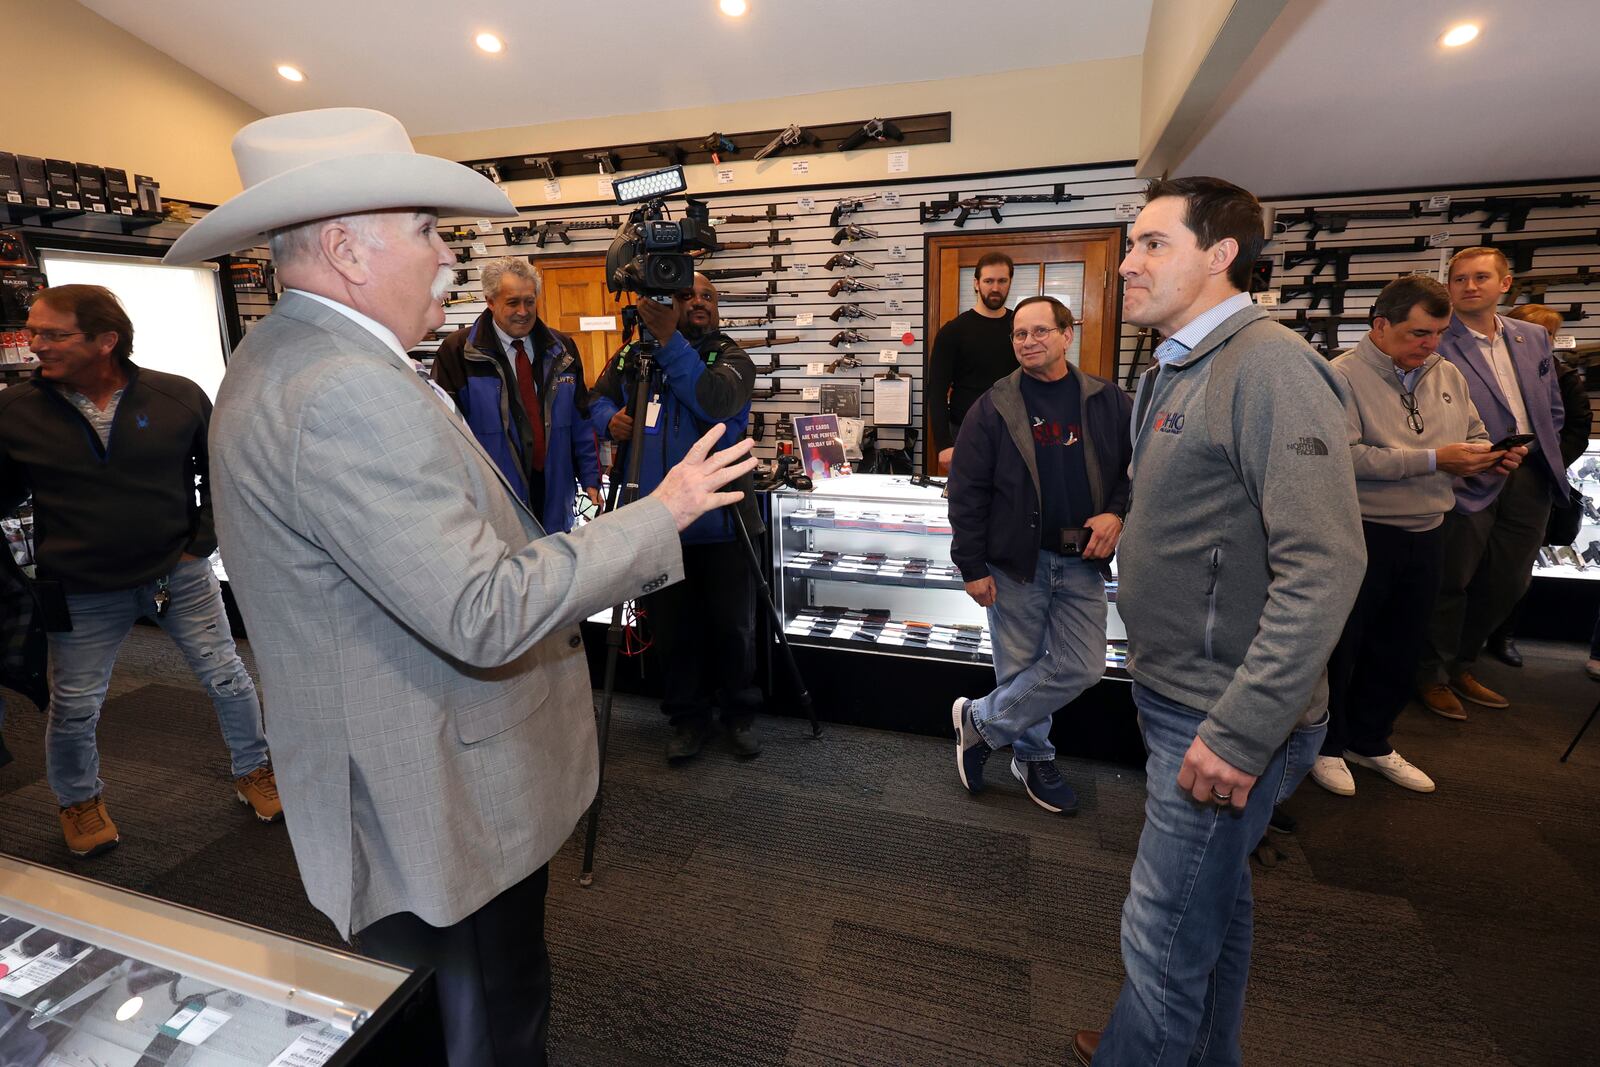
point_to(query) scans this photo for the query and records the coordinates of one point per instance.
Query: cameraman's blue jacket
(698, 385)
(473, 368)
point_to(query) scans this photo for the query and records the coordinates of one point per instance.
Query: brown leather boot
(88, 828)
(1469, 687)
(259, 789)
(1084, 1045)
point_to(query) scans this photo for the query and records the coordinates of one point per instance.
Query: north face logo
(1308, 446)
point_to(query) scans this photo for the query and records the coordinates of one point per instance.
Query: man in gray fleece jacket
(1412, 431)
(1241, 558)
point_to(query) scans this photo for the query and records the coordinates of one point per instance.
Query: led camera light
(652, 186)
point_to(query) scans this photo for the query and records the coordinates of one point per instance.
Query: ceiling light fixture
(733, 8)
(129, 1009)
(288, 73)
(489, 42)
(1457, 36)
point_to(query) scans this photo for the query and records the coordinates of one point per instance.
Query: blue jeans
(1049, 638)
(1186, 925)
(80, 672)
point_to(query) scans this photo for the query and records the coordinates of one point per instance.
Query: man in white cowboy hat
(427, 694)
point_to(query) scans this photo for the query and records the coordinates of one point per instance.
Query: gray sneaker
(972, 751)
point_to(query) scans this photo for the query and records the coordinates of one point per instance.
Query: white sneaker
(1333, 774)
(1395, 768)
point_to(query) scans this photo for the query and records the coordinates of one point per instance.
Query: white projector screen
(176, 311)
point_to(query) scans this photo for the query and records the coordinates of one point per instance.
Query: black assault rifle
(1325, 326)
(542, 232)
(1337, 220)
(1332, 292)
(1338, 256)
(1536, 285)
(1512, 210)
(938, 209)
(1520, 252)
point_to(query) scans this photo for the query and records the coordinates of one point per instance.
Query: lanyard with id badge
(652, 414)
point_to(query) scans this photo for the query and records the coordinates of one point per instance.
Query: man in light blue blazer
(1498, 524)
(427, 693)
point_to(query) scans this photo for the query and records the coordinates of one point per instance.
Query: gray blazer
(427, 694)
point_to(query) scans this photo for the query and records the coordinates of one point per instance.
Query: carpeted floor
(844, 902)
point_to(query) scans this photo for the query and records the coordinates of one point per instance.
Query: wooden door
(575, 289)
(1077, 266)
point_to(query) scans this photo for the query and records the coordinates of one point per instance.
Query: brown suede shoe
(1084, 1045)
(1469, 687)
(259, 789)
(88, 828)
(1439, 700)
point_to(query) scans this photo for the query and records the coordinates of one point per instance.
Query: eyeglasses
(1038, 333)
(1413, 416)
(53, 336)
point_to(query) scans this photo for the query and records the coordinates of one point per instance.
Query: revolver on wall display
(848, 337)
(853, 233)
(849, 285)
(845, 260)
(851, 311)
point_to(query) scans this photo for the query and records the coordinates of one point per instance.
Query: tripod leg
(1581, 731)
(625, 492)
(802, 694)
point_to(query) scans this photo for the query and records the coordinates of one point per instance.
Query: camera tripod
(624, 493)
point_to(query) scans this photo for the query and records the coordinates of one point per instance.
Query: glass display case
(1582, 558)
(863, 563)
(95, 976)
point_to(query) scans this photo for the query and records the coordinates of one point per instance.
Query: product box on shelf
(148, 193)
(63, 178)
(10, 179)
(91, 186)
(35, 181)
(119, 197)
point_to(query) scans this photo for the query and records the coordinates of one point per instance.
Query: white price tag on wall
(811, 392)
(807, 203)
(724, 175)
(552, 189)
(800, 166)
(604, 187)
(888, 355)
(1128, 211)
(899, 161)
(1565, 340)
(803, 319)
(602, 323)
(816, 368)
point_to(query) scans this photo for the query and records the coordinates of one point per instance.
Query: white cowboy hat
(321, 164)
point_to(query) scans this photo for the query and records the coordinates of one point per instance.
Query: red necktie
(529, 393)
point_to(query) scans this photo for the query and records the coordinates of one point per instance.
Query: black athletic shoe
(742, 736)
(688, 740)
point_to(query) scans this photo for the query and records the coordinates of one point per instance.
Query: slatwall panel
(1581, 303)
(811, 233)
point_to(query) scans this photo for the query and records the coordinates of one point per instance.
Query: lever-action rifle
(1513, 210)
(849, 206)
(745, 324)
(730, 273)
(1520, 252)
(771, 216)
(789, 136)
(853, 233)
(773, 241)
(851, 311)
(879, 130)
(846, 260)
(747, 298)
(1338, 256)
(1536, 285)
(765, 342)
(1335, 221)
(849, 285)
(848, 337)
(938, 209)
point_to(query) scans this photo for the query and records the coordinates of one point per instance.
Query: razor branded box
(119, 198)
(63, 178)
(91, 186)
(10, 180)
(35, 183)
(148, 193)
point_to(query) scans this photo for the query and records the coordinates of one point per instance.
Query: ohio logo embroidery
(1308, 446)
(1169, 422)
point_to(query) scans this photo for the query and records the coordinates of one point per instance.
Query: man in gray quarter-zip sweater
(1240, 561)
(1412, 431)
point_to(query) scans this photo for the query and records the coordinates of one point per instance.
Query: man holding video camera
(704, 627)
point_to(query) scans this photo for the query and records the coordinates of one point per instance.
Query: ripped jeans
(80, 672)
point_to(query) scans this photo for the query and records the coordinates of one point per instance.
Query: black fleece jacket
(116, 517)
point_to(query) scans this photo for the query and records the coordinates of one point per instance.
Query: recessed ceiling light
(288, 73)
(734, 8)
(129, 1009)
(1460, 35)
(489, 42)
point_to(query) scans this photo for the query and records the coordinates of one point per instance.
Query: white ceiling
(1347, 95)
(416, 60)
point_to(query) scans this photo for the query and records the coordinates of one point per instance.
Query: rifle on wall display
(1536, 285)
(933, 211)
(1337, 220)
(729, 273)
(1332, 292)
(543, 231)
(773, 242)
(1512, 210)
(1520, 252)
(739, 220)
(1338, 256)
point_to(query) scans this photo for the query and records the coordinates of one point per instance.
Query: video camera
(650, 254)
